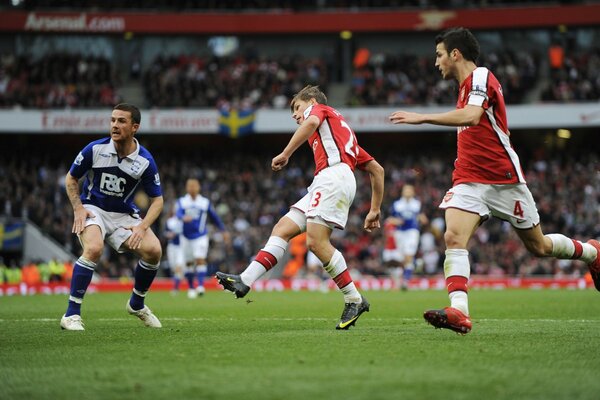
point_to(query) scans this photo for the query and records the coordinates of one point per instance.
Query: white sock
(460, 301)
(275, 246)
(564, 248)
(457, 264)
(337, 268)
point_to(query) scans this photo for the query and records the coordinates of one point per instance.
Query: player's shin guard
(266, 259)
(457, 271)
(144, 275)
(82, 276)
(567, 248)
(337, 269)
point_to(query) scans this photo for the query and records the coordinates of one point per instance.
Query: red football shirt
(485, 154)
(334, 141)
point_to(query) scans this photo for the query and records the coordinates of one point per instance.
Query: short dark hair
(136, 115)
(461, 39)
(307, 93)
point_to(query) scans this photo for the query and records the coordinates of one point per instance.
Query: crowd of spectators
(206, 82)
(405, 79)
(576, 78)
(74, 81)
(250, 198)
(59, 80)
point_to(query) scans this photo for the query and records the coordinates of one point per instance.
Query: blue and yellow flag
(11, 236)
(235, 123)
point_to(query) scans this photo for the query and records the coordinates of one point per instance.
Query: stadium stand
(61, 70)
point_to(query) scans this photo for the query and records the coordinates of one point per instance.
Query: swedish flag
(235, 123)
(11, 236)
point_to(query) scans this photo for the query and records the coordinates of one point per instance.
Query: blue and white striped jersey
(111, 182)
(408, 210)
(200, 209)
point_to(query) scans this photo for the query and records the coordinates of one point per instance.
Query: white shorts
(194, 249)
(407, 242)
(175, 255)
(512, 203)
(330, 196)
(112, 225)
(391, 255)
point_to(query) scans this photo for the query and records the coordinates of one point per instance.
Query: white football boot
(72, 323)
(145, 314)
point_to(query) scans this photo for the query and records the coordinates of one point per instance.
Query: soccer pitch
(524, 345)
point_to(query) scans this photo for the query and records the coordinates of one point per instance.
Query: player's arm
(301, 135)
(138, 231)
(80, 214)
(376, 174)
(467, 116)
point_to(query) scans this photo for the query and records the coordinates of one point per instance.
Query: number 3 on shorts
(316, 199)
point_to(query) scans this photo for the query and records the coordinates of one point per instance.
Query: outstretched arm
(467, 116)
(376, 174)
(301, 135)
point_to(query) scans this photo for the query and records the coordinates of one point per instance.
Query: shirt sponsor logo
(112, 185)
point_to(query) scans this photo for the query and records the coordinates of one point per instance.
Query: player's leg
(175, 256)
(562, 247)
(516, 205)
(93, 245)
(201, 269)
(290, 225)
(318, 233)
(150, 254)
(460, 226)
(411, 244)
(200, 253)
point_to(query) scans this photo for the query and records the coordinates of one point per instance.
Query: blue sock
(201, 274)
(176, 282)
(82, 276)
(408, 273)
(189, 275)
(144, 275)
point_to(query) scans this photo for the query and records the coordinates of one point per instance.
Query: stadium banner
(282, 21)
(279, 285)
(262, 121)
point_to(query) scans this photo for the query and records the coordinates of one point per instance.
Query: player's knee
(453, 240)
(93, 251)
(153, 254)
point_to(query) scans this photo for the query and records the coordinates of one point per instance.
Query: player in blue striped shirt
(104, 212)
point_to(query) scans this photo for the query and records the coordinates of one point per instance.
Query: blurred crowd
(575, 77)
(396, 79)
(37, 272)
(59, 80)
(207, 82)
(250, 198)
(379, 79)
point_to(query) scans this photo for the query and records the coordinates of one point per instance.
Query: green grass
(524, 345)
